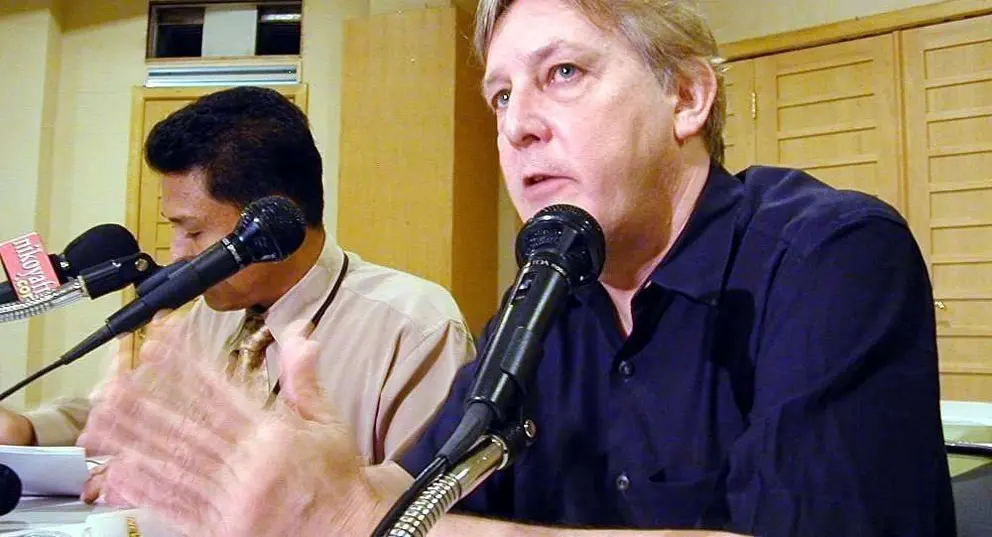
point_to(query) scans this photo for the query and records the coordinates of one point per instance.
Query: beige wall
(102, 58)
(733, 20)
(378, 7)
(323, 35)
(29, 59)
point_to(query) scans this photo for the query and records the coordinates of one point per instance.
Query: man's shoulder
(408, 295)
(800, 211)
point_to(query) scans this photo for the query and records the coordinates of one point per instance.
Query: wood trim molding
(855, 28)
(192, 92)
(135, 147)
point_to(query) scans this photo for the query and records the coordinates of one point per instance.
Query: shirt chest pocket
(689, 501)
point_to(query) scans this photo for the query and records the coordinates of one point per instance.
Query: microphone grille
(272, 228)
(569, 234)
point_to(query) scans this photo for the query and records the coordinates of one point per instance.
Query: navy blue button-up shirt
(780, 379)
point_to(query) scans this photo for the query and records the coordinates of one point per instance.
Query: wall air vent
(177, 75)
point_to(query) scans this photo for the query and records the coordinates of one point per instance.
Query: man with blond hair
(758, 356)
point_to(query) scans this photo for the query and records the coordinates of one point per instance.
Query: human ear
(696, 91)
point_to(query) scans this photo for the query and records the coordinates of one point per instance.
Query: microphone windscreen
(10, 489)
(97, 246)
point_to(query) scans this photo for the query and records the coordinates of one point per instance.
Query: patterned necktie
(248, 354)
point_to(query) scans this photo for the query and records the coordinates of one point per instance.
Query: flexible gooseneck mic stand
(437, 490)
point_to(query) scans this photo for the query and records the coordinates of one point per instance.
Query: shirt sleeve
(437, 432)
(493, 497)
(844, 434)
(415, 459)
(60, 422)
(418, 385)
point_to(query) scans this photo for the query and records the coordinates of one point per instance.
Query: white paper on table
(47, 471)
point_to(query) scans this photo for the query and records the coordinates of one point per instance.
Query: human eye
(188, 234)
(564, 72)
(500, 99)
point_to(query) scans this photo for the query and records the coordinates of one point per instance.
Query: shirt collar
(696, 265)
(303, 299)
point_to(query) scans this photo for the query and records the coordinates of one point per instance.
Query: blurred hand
(162, 327)
(96, 488)
(15, 429)
(193, 448)
(93, 485)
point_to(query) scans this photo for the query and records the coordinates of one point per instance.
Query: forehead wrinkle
(534, 57)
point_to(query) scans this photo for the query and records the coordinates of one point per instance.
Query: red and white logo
(29, 270)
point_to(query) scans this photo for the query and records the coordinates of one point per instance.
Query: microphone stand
(64, 295)
(436, 490)
(96, 339)
(93, 282)
(563, 247)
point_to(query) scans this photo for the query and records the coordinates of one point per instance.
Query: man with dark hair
(391, 343)
(250, 142)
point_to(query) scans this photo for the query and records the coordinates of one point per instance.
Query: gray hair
(670, 35)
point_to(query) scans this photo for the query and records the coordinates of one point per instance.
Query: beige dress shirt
(391, 344)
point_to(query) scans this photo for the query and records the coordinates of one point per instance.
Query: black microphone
(117, 274)
(270, 229)
(94, 247)
(10, 489)
(156, 278)
(560, 249)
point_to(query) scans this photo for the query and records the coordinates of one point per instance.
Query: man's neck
(293, 269)
(635, 262)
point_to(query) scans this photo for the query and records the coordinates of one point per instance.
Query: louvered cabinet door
(833, 111)
(948, 99)
(738, 132)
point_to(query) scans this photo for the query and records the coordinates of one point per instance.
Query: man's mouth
(532, 180)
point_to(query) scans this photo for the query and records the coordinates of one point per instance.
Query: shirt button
(623, 482)
(626, 368)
